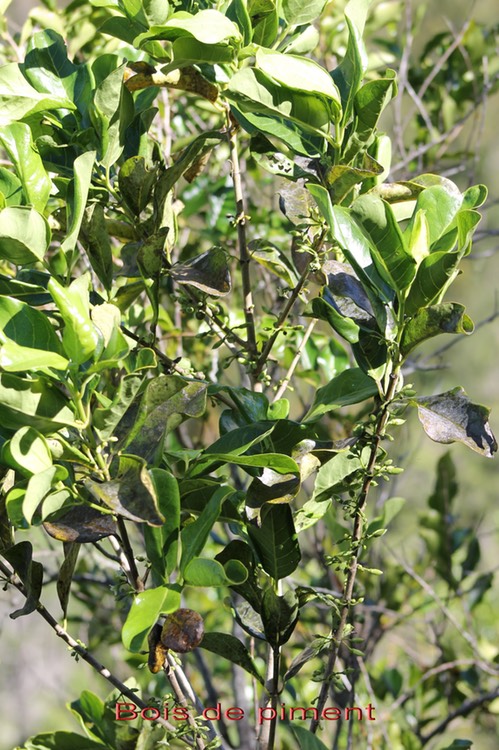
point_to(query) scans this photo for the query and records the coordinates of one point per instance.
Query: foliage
(198, 388)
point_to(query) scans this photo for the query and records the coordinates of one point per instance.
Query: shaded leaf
(451, 417)
(433, 320)
(279, 616)
(30, 572)
(194, 535)
(136, 182)
(349, 387)
(132, 494)
(229, 647)
(65, 577)
(81, 524)
(275, 541)
(208, 272)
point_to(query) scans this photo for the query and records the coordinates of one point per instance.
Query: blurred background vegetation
(37, 682)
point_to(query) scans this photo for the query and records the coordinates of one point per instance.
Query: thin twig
(464, 709)
(79, 649)
(244, 256)
(171, 670)
(296, 359)
(132, 571)
(358, 528)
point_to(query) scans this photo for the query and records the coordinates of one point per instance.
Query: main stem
(244, 256)
(357, 534)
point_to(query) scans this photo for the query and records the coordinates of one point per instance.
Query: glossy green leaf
(207, 26)
(195, 534)
(346, 327)
(39, 486)
(276, 461)
(299, 12)
(106, 419)
(393, 262)
(156, 11)
(350, 72)
(112, 113)
(76, 198)
(451, 417)
(11, 188)
(27, 326)
(440, 204)
(349, 387)
(435, 273)
(238, 13)
(132, 494)
(27, 452)
(189, 50)
(144, 612)
(18, 143)
(24, 235)
(162, 543)
(341, 179)
(15, 358)
(254, 92)
(433, 320)
(370, 101)
(167, 401)
(332, 475)
(30, 572)
(353, 241)
(47, 68)
(279, 616)
(229, 647)
(236, 442)
(34, 402)
(299, 73)
(205, 573)
(81, 339)
(264, 19)
(18, 99)
(275, 541)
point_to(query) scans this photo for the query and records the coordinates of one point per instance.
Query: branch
(79, 649)
(348, 588)
(296, 359)
(464, 709)
(244, 256)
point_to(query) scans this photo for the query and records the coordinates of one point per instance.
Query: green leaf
(264, 21)
(167, 401)
(229, 647)
(252, 406)
(350, 72)
(440, 204)
(370, 101)
(208, 272)
(106, 419)
(435, 273)
(459, 745)
(95, 239)
(144, 612)
(433, 320)
(275, 541)
(76, 198)
(354, 243)
(24, 235)
(136, 182)
(18, 143)
(33, 402)
(39, 486)
(341, 179)
(331, 476)
(113, 112)
(30, 572)
(240, 552)
(276, 461)
(156, 11)
(254, 92)
(18, 99)
(11, 188)
(393, 262)
(299, 73)
(195, 534)
(299, 12)
(81, 339)
(238, 13)
(451, 417)
(279, 616)
(205, 573)
(162, 543)
(27, 452)
(349, 387)
(15, 358)
(346, 327)
(189, 50)
(207, 26)
(27, 326)
(236, 441)
(132, 494)
(47, 68)
(65, 576)
(61, 740)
